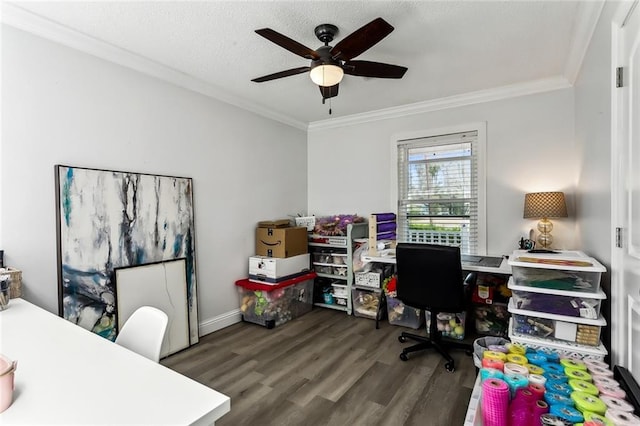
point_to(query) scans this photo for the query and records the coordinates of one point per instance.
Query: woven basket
(16, 281)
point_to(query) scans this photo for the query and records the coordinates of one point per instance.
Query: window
(441, 190)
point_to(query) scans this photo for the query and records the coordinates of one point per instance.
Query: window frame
(481, 129)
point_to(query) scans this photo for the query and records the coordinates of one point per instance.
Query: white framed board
(162, 285)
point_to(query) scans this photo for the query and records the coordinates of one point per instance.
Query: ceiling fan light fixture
(326, 75)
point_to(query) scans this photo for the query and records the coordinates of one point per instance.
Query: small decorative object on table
(15, 279)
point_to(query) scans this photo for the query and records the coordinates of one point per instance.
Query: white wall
(530, 147)
(61, 106)
(593, 136)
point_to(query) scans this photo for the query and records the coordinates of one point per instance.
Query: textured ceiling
(450, 47)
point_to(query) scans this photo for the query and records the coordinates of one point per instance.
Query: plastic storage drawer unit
(539, 324)
(570, 272)
(272, 305)
(559, 302)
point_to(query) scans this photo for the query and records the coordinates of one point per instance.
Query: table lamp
(544, 205)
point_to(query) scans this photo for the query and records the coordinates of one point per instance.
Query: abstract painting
(111, 219)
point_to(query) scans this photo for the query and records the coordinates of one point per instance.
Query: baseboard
(219, 322)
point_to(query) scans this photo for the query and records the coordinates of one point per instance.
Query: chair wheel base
(404, 357)
(402, 339)
(450, 367)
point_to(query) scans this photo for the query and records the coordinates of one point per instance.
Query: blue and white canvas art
(110, 219)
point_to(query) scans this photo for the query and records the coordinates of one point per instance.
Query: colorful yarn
(493, 363)
(599, 371)
(490, 373)
(553, 398)
(516, 348)
(524, 395)
(550, 354)
(605, 381)
(573, 363)
(555, 377)
(515, 381)
(586, 402)
(617, 404)
(534, 369)
(537, 379)
(495, 402)
(591, 363)
(550, 367)
(517, 359)
(513, 368)
(613, 391)
(549, 419)
(537, 389)
(567, 413)
(539, 408)
(622, 418)
(596, 419)
(537, 358)
(583, 386)
(495, 355)
(498, 348)
(573, 373)
(558, 387)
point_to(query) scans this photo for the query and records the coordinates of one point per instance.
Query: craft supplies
(549, 419)
(573, 363)
(537, 379)
(573, 373)
(495, 402)
(586, 402)
(567, 413)
(617, 403)
(490, 373)
(622, 418)
(517, 358)
(582, 386)
(553, 398)
(493, 363)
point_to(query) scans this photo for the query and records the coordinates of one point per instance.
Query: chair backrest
(430, 277)
(144, 332)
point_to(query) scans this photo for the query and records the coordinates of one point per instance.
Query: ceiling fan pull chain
(329, 106)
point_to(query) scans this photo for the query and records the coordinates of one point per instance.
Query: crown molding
(24, 20)
(481, 96)
(584, 26)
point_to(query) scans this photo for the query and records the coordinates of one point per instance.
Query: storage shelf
(576, 320)
(600, 294)
(567, 347)
(336, 307)
(335, 277)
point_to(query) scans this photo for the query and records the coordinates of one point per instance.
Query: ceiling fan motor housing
(326, 33)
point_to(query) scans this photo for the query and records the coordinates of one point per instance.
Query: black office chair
(430, 278)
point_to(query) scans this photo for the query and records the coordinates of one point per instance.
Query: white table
(68, 375)
(389, 256)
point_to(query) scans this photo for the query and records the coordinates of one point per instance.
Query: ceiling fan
(329, 64)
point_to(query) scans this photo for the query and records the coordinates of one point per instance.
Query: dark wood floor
(327, 368)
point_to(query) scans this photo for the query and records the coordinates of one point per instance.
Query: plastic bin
(576, 305)
(569, 272)
(584, 334)
(451, 325)
(272, 305)
(365, 303)
(491, 320)
(402, 315)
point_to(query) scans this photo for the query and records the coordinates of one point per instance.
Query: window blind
(438, 190)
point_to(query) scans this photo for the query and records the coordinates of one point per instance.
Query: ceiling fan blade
(329, 91)
(287, 43)
(281, 74)
(360, 40)
(373, 69)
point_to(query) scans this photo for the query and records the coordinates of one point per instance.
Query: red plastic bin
(271, 305)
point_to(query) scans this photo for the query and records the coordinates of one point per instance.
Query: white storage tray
(561, 346)
(594, 295)
(600, 321)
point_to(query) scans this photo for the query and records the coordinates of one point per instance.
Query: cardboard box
(280, 241)
(274, 270)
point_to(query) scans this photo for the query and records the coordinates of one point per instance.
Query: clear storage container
(272, 305)
(571, 271)
(578, 304)
(544, 325)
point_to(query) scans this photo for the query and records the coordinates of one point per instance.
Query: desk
(389, 256)
(68, 375)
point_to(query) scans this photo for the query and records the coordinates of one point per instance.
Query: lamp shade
(544, 205)
(326, 75)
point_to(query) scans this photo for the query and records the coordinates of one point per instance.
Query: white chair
(144, 332)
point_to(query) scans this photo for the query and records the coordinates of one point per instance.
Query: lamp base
(545, 239)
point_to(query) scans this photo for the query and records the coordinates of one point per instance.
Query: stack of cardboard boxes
(280, 284)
